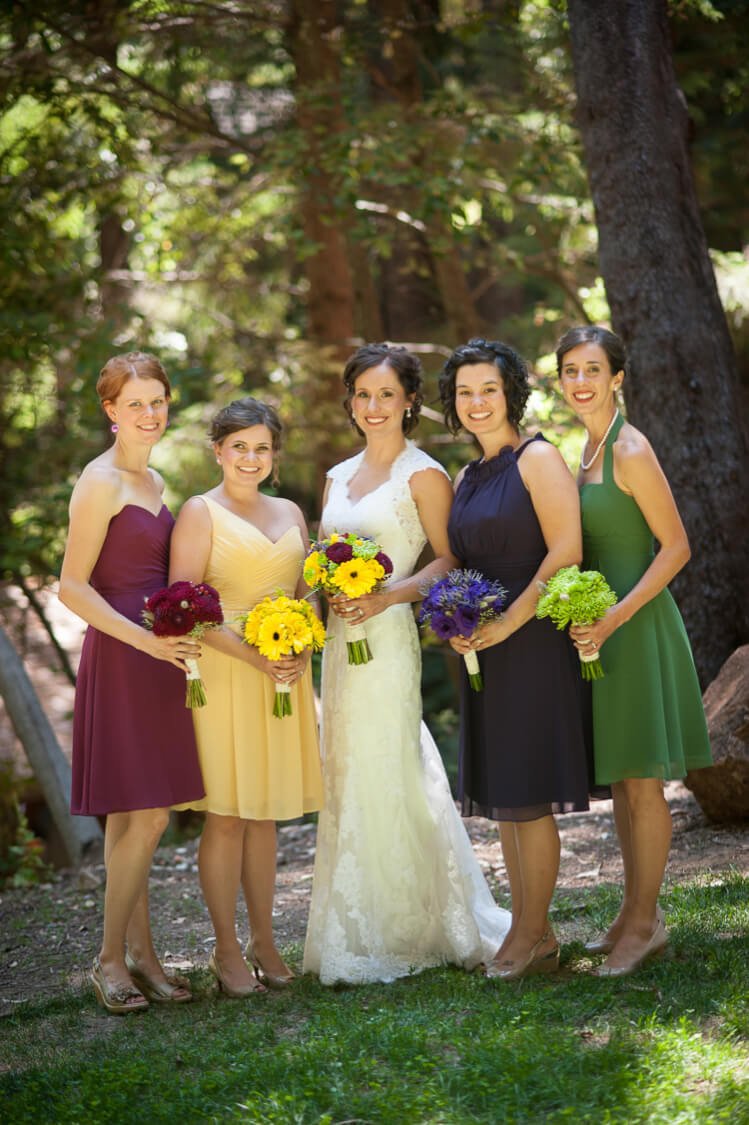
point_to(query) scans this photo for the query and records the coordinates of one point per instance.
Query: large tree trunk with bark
(312, 38)
(683, 386)
(43, 751)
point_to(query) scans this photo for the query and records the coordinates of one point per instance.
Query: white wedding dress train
(397, 887)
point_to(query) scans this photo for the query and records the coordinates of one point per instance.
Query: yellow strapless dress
(254, 765)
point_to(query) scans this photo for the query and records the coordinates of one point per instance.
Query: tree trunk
(683, 386)
(43, 752)
(311, 34)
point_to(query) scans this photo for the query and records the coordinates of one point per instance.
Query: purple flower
(339, 552)
(466, 619)
(444, 626)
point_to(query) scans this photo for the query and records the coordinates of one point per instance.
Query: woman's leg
(623, 823)
(537, 847)
(259, 885)
(650, 840)
(220, 865)
(130, 840)
(512, 866)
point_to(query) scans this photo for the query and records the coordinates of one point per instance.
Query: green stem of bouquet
(359, 652)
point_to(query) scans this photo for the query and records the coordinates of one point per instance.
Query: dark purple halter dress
(522, 747)
(133, 740)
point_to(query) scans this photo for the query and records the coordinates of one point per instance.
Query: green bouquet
(577, 597)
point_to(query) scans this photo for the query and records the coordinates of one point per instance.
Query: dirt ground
(49, 933)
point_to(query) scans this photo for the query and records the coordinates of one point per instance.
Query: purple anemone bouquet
(457, 605)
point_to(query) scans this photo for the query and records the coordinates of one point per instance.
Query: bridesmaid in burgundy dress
(134, 750)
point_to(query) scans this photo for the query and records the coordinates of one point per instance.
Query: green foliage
(666, 1046)
(154, 163)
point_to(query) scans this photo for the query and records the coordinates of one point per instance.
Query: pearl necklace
(600, 445)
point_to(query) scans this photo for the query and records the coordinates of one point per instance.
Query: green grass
(669, 1045)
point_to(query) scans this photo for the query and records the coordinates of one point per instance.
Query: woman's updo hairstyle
(121, 368)
(593, 334)
(406, 366)
(510, 365)
(241, 415)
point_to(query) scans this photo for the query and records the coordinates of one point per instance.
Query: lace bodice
(388, 513)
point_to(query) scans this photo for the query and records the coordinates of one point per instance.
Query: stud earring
(114, 428)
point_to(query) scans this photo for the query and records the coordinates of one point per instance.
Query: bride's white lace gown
(397, 887)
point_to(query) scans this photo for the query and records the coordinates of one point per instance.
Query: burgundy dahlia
(339, 552)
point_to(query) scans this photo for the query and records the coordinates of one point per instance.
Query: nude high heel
(277, 982)
(535, 962)
(233, 993)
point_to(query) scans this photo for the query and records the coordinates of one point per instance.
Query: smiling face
(246, 456)
(588, 383)
(379, 401)
(480, 399)
(140, 410)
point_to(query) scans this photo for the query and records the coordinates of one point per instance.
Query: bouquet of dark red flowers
(350, 564)
(457, 605)
(185, 609)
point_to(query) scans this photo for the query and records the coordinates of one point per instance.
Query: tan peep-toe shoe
(162, 992)
(242, 993)
(269, 979)
(118, 999)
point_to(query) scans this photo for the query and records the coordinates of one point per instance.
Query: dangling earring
(275, 479)
(114, 428)
(409, 411)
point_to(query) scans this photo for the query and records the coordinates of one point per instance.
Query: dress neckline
(359, 459)
(483, 470)
(141, 508)
(253, 526)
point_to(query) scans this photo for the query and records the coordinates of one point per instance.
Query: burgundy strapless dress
(133, 740)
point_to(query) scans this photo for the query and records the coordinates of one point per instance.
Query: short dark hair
(593, 334)
(511, 366)
(404, 363)
(243, 413)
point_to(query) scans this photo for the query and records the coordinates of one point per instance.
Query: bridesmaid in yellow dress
(257, 769)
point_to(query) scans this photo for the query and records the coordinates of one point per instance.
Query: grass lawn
(668, 1045)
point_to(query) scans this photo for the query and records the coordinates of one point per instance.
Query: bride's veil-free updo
(406, 366)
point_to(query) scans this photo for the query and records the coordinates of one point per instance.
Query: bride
(396, 886)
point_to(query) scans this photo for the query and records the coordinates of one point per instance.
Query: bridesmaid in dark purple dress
(516, 518)
(134, 750)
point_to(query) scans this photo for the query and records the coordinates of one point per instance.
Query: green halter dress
(648, 719)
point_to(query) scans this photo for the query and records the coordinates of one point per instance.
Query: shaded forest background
(252, 189)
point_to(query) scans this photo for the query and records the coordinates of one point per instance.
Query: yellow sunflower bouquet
(353, 565)
(282, 626)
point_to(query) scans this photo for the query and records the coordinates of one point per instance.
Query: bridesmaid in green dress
(648, 721)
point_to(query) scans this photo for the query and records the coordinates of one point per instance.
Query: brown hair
(407, 368)
(593, 334)
(241, 415)
(121, 368)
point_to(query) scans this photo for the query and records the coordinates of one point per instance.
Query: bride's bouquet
(185, 609)
(457, 605)
(350, 564)
(282, 626)
(577, 597)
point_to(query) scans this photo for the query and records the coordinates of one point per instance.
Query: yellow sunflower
(357, 576)
(273, 638)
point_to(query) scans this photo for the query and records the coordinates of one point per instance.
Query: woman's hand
(493, 633)
(287, 670)
(590, 638)
(175, 650)
(355, 611)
